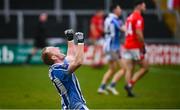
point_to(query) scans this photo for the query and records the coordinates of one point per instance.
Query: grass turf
(30, 87)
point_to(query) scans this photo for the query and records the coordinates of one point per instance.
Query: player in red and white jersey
(134, 47)
(134, 23)
(96, 36)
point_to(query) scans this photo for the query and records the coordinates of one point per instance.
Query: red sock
(131, 83)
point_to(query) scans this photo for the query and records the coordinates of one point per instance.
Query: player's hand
(143, 50)
(79, 36)
(69, 34)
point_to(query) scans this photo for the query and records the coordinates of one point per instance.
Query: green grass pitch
(30, 87)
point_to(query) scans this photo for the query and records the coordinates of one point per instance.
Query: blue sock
(113, 84)
(103, 86)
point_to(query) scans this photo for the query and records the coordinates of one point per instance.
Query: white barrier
(163, 54)
(156, 54)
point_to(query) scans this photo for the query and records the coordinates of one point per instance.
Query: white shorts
(132, 54)
(113, 55)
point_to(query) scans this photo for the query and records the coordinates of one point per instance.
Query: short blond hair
(46, 56)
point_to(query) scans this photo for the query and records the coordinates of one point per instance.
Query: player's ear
(53, 57)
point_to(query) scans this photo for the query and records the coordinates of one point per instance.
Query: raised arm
(79, 54)
(69, 33)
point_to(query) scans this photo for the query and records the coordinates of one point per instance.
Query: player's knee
(111, 71)
(122, 71)
(112, 68)
(129, 71)
(145, 68)
(129, 66)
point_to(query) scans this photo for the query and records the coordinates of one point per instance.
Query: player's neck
(137, 10)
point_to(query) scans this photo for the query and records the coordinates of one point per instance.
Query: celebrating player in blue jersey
(62, 69)
(113, 30)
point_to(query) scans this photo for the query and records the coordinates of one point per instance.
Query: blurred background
(23, 86)
(19, 21)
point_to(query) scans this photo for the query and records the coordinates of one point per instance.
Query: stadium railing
(72, 17)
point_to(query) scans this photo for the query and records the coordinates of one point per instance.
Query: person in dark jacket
(40, 37)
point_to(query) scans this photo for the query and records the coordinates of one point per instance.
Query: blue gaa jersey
(112, 33)
(68, 86)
